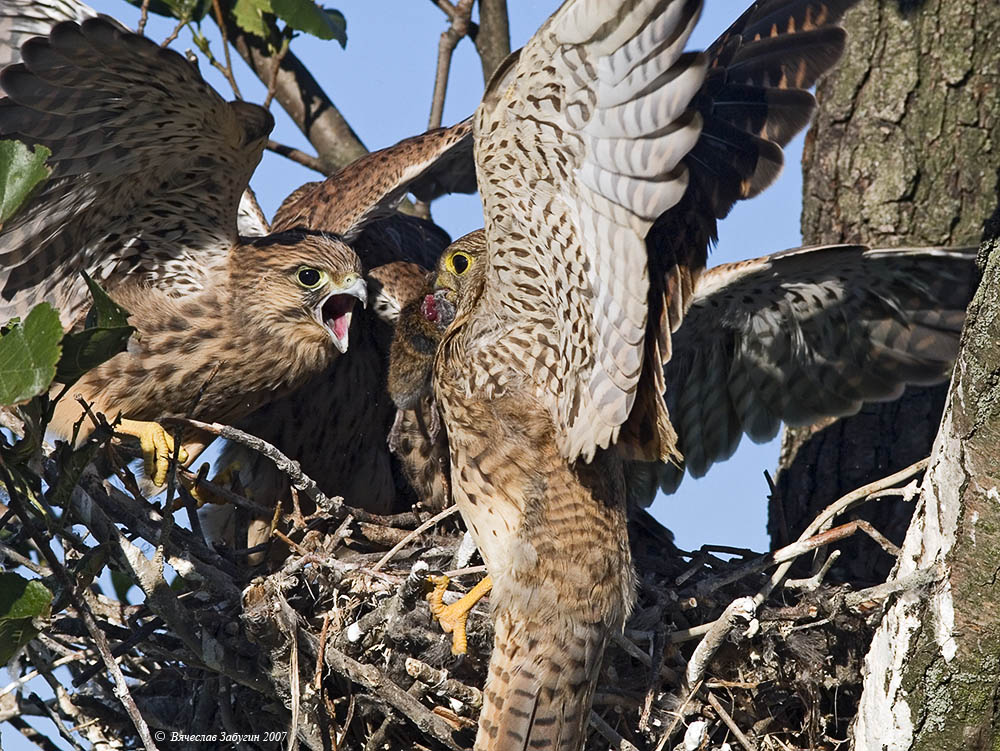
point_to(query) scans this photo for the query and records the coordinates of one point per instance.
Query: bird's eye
(309, 277)
(459, 263)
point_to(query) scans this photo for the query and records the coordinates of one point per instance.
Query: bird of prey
(599, 133)
(148, 166)
(792, 337)
(336, 426)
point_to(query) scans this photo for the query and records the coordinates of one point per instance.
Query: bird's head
(461, 270)
(301, 286)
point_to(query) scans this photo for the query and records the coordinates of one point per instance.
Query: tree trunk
(901, 153)
(931, 672)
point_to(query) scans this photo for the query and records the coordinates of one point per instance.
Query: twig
(272, 84)
(740, 609)
(610, 735)
(42, 741)
(83, 609)
(413, 535)
(919, 578)
(226, 71)
(678, 716)
(298, 156)
(289, 467)
(54, 718)
(59, 662)
(459, 27)
(143, 17)
(439, 682)
(731, 724)
(384, 691)
(836, 508)
(173, 34)
(12, 555)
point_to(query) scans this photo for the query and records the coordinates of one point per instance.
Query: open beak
(336, 309)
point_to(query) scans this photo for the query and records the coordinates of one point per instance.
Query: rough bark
(902, 153)
(931, 672)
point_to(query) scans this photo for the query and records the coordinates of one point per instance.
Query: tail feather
(538, 693)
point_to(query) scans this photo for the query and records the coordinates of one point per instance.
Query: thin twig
(731, 724)
(272, 83)
(83, 609)
(610, 735)
(297, 156)
(174, 34)
(143, 17)
(413, 535)
(227, 71)
(834, 510)
(59, 662)
(459, 27)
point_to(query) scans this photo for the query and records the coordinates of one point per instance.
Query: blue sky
(382, 83)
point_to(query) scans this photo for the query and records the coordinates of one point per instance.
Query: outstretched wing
(580, 143)
(605, 155)
(22, 19)
(148, 165)
(370, 188)
(806, 334)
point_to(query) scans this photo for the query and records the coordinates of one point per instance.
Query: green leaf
(29, 352)
(307, 16)
(22, 170)
(21, 602)
(106, 333)
(249, 16)
(122, 585)
(105, 313)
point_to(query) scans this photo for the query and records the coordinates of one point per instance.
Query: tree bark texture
(931, 673)
(903, 152)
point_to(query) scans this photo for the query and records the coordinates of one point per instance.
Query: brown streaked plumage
(597, 134)
(416, 437)
(148, 165)
(252, 334)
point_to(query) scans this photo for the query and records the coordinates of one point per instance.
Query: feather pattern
(148, 165)
(806, 334)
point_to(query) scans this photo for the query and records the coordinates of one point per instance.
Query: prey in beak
(334, 311)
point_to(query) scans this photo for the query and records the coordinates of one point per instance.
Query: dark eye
(460, 262)
(309, 277)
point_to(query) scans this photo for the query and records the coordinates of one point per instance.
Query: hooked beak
(445, 286)
(334, 312)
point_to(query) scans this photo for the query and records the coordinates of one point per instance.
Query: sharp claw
(453, 618)
(157, 447)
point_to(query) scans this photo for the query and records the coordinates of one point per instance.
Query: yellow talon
(453, 617)
(157, 447)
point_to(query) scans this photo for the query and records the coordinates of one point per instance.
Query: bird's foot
(202, 494)
(157, 447)
(453, 617)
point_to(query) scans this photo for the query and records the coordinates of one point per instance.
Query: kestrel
(337, 425)
(148, 166)
(791, 337)
(599, 131)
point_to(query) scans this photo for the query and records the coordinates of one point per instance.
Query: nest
(330, 638)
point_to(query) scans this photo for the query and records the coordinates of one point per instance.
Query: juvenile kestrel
(791, 337)
(148, 166)
(551, 377)
(337, 425)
